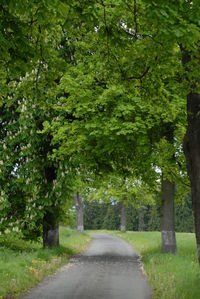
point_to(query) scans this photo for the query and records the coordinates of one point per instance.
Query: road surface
(108, 269)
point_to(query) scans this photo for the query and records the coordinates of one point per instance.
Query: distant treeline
(147, 218)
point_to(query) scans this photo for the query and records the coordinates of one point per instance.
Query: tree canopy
(92, 91)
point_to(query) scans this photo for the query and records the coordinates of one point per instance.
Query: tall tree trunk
(123, 217)
(192, 153)
(51, 216)
(51, 227)
(167, 217)
(79, 212)
(191, 144)
(141, 223)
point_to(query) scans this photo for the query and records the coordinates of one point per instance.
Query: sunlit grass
(23, 264)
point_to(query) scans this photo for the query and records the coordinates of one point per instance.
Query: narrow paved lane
(108, 269)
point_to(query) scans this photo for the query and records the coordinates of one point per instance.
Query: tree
(181, 29)
(111, 218)
(34, 64)
(167, 213)
(141, 220)
(167, 217)
(184, 215)
(123, 217)
(95, 213)
(79, 212)
(94, 87)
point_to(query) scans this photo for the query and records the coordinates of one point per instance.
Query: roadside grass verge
(23, 264)
(171, 277)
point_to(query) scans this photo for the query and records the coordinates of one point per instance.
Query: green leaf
(63, 9)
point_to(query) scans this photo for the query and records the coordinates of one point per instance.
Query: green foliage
(89, 88)
(94, 213)
(111, 219)
(68, 215)
(106, 215)
(184, 219)
(31, 183)
(101, 215)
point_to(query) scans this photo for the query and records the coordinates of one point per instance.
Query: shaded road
(108, 269)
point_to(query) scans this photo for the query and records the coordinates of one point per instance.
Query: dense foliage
(145, 218)
(93, 100)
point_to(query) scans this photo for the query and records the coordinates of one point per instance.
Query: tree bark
(51, 216)
(51, 227)
(192, 153)
(191, 144)
(167, 217)
(79, 212)
(123, 217)
(141, 223)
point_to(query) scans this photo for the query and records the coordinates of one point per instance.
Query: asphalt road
(108, 269)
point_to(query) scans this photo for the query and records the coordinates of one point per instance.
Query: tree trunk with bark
(192, 153)
(51, 227)
(141, 222)
(123, 217)
(51, 216)
(79, 212)
(167, 214)
(167, 217)
(191, 144)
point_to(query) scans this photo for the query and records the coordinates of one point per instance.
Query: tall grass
(171, 277)
(23, 264)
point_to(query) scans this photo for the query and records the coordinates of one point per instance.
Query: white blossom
(16, 229)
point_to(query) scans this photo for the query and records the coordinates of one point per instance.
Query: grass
(23, 264)
(171, 277)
